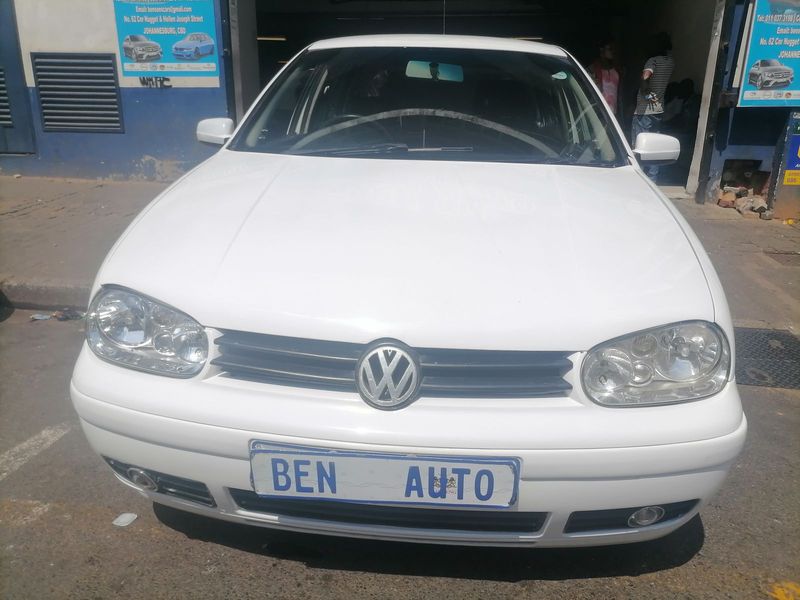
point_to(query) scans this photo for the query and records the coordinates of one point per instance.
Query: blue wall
(158, 140)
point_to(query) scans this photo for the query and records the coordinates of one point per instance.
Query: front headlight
(135, 331)
(675, 363)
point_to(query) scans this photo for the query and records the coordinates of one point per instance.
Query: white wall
(64, 26)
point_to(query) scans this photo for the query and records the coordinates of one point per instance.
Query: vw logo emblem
(388, 376)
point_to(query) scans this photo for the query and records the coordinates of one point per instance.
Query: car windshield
(138, 38)
(433, 103)
(770, 63)
(195, 37)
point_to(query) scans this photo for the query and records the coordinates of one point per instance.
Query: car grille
(392, 516)
(445, 373)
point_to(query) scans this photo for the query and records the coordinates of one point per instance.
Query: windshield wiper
(565, 160)
(387, 148)
(443, 149)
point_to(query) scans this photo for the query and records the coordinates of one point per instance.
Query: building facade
(114, 88)
(83, 98)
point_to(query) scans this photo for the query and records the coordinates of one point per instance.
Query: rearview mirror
(422, 69)
(657, 149)
(215, 131)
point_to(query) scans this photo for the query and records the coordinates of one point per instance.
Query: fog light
(143, 480)
(646, 516)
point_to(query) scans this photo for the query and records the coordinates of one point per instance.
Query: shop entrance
(284, 27)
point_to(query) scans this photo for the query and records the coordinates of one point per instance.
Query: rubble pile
(745, 201)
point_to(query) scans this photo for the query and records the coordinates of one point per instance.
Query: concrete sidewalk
(757, 261)
(54, 233)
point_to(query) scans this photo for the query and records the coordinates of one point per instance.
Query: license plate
(378, 478)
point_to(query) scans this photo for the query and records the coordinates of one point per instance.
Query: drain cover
(767, 357)
(788, 259)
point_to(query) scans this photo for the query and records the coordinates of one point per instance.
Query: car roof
(468, 42)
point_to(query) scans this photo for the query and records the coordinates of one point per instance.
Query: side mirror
(215, 131)
(657, 149)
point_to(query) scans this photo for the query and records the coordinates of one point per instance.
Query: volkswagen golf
(424, 292)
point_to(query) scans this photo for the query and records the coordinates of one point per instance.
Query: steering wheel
(341, 119)
(426, 112)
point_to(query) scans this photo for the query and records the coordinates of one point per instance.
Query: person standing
(650, 98)
(606, 75)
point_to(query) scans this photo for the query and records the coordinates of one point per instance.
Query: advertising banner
(772, 67)
(791, 172)
(169, 38)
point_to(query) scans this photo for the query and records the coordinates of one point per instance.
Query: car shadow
(6, 310)
(460, 562)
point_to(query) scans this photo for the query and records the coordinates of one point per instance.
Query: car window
(433, 103)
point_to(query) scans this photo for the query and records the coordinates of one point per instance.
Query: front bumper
(183, 53)
(195, 429)
(773, 81)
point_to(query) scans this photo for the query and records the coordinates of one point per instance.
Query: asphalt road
(58, 501)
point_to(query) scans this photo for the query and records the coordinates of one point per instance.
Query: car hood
(140, 44)
(433, 253)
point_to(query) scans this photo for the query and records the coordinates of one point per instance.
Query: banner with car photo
(773, 55)
(167, 37)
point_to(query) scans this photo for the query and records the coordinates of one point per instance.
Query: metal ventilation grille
(78, 92)
(5, 108)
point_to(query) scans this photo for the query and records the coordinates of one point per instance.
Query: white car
(424, 292)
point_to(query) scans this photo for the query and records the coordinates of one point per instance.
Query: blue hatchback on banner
(167, 37)
(773, 56)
